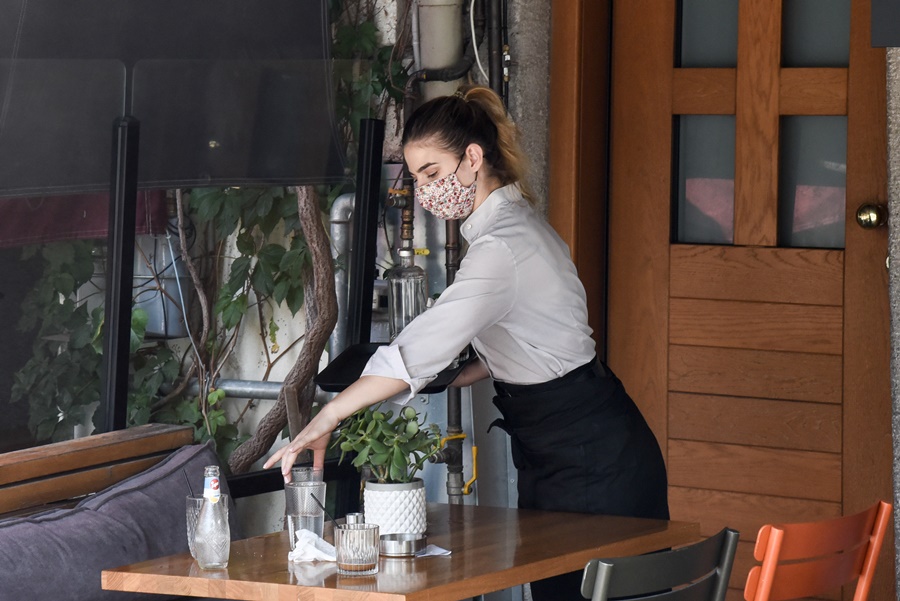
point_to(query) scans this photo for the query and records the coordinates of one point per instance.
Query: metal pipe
(495, 47)
(457, 69)
(242, 389)
(440, 34)
(340, 218)
(453, 453)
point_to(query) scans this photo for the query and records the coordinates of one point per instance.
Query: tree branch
(321, 314)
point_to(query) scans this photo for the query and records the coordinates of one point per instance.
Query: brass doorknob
(870, 215)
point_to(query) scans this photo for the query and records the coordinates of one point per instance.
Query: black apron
(580, 444)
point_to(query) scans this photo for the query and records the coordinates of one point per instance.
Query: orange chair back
(808, 559)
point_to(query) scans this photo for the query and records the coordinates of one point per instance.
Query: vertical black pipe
(495, 47)
(504, 42)
(119, 272)
(365, 226)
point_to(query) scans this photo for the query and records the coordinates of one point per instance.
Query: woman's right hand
(315, 437)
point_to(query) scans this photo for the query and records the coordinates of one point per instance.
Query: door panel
(763, 370)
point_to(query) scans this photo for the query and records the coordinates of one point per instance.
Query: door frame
(579, 131)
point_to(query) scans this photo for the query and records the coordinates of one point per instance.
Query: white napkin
(310, 547)
(430, 550)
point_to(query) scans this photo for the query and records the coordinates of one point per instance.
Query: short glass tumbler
(192, 512)
(356, 549)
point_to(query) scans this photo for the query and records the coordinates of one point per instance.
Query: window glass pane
(51, 257)
(815, 33)
(812, 186)
(708, 33)
(705, 203)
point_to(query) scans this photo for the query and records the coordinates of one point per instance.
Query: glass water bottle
(407, 291)
(212, 537)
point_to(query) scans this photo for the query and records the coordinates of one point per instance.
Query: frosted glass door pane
(705, 204)
(708, 33)
(815, 33)
(812, 186)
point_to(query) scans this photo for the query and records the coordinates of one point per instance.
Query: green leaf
(234, 311)
(295, 299)
(245, 243)
(139, 320)
(398, 466)
(262, 280)
(240, 271)
(281, 289)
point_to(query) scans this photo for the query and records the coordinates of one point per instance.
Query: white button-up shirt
(516, 297)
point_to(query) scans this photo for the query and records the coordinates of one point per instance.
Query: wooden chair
(808, 559)
(697, 572)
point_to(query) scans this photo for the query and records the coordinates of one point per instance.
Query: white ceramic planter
(396, 508)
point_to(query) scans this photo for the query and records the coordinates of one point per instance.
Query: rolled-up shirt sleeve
(482, 293)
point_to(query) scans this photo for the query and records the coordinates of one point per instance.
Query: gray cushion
(58, 555)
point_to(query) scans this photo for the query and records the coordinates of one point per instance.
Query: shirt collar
(482, 217)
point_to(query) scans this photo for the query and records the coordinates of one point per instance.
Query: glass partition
(229, 95)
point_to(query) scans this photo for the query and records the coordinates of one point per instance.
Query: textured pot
(396, 508)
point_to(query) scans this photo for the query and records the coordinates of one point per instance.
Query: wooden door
(763, 369)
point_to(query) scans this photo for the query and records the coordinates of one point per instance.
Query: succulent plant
(394, 448)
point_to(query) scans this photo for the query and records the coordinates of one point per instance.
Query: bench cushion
(59, 554)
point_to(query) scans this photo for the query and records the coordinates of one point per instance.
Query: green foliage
(368, 74)
(269, 270)
(395, 448)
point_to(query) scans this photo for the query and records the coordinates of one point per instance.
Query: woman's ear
(474, 157)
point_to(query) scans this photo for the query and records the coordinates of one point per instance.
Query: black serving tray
(346, 368)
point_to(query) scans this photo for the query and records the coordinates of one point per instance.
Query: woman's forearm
(366, 391)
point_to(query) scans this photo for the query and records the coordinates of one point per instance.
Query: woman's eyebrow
(425, 166)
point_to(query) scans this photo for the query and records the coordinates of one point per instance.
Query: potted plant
(393, 449)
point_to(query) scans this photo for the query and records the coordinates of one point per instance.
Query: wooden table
(492, 549)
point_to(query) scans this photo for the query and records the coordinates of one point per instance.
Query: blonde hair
(474, 114)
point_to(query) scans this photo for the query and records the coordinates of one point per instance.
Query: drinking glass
(192, 512)
(301, 509)
(356, 549)
(307, 474)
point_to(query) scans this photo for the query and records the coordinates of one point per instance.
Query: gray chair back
(697, 572)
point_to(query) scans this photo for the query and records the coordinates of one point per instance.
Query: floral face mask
(447, 198)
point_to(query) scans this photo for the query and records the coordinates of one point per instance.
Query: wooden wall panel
(703, 91)
(743, 512)
(765, 374)
(813, 92)
(777, 275)
(758, 422)
(736, 468)
(762, 326)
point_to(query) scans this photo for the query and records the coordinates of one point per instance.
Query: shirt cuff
(387, 362)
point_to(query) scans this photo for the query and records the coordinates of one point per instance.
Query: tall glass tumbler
(303, 510)
(192, 512)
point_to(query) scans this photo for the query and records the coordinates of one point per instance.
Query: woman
(578, 441)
